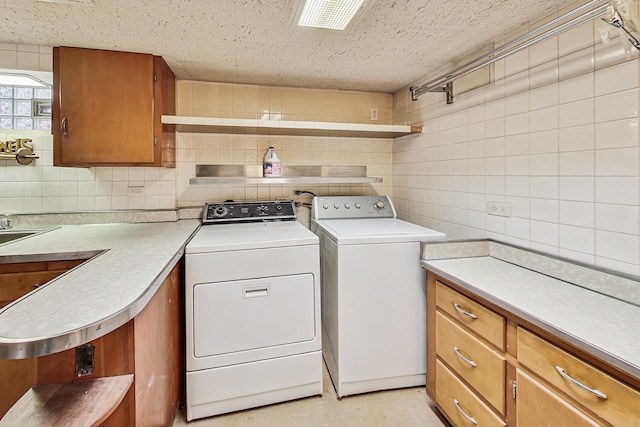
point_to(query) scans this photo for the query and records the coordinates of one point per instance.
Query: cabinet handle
(63, 125)
(595, 392)
(466, 313)
(469, 361)
(464, 414)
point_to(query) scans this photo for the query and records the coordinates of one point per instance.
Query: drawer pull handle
(595, 392)
(464, 414)
(466, 313)
(469, 361)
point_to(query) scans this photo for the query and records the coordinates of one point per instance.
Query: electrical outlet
(136, 191)
(374, 114)
(499, 208)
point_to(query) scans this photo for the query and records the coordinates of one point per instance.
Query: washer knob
(337, 206)
(325, 206)
(358, 205)
(347, 206)
(379, 205)
(220, 211)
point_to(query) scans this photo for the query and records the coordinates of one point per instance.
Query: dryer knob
(358, 205)
(220, 211)
(347, 205)
(379, 205)
(325, 206)
(337, 206)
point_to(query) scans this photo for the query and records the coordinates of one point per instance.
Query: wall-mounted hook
(18, 150)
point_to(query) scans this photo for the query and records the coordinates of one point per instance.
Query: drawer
(620, 407)
(533, 397)
(459, 403)
(483, 369)
(486, 323)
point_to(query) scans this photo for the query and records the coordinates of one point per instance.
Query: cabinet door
(103, 107)
(536, 405)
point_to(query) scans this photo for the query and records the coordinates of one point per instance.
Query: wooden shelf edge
(77, 403)
(291, 128)
(248, 180)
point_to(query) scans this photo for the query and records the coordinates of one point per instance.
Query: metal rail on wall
(444, 83)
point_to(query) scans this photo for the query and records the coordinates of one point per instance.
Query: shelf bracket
(447, 89)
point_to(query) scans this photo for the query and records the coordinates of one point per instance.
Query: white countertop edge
(612, 359)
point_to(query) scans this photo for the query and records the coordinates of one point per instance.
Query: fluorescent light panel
(19, 80)
(330, 14)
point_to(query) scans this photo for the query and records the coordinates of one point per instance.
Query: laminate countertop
(600, 323)
(126, 265)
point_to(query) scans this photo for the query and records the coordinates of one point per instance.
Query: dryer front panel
(244, 315)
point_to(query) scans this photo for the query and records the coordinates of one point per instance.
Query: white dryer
(252, 309)
(373, 294)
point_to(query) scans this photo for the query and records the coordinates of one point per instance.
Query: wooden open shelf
(287, 127)
(77, 403)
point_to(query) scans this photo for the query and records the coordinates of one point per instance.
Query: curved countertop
(129, 263)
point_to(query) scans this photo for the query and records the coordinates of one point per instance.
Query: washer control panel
(230, 212)
(352, 207)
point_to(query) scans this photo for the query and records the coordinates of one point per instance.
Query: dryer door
(244, 315)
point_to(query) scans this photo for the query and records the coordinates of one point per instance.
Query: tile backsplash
(41, 187)
(555, 136)
(209, 99)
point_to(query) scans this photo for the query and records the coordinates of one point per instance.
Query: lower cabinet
(460, 404)
(537, 405)
(149, 348)
(488, 367)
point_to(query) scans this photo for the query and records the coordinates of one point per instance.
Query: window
(26, 108)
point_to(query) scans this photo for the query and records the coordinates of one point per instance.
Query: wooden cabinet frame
(108, 107)
(512, 324)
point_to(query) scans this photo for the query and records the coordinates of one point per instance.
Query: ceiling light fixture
(330, 14)
(20, 80)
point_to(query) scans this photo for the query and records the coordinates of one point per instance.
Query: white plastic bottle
(271, 165)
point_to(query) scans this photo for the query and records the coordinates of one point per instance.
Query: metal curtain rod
(443, 82)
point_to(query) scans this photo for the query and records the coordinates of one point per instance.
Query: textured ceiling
(252, 41)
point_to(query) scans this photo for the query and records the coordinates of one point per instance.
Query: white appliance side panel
(382, 311)
(233, 388)
(249, 314)
(330, 305)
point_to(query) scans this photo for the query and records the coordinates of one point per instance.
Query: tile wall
(41, 187)
(206, 99)
(556, 137)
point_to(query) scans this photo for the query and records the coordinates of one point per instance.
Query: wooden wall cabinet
(108, 106)
(486, 365)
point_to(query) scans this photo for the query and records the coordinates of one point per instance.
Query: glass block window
(25, 108)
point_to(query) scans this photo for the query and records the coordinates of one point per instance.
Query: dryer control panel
(234, 212)
(351, 207)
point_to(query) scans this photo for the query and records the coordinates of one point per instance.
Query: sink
(7, 236)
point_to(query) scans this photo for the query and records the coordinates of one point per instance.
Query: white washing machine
(373, 294)
(252, 309)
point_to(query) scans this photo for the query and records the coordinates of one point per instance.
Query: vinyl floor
(392, 408)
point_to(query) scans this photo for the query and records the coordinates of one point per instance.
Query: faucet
(5, 222)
